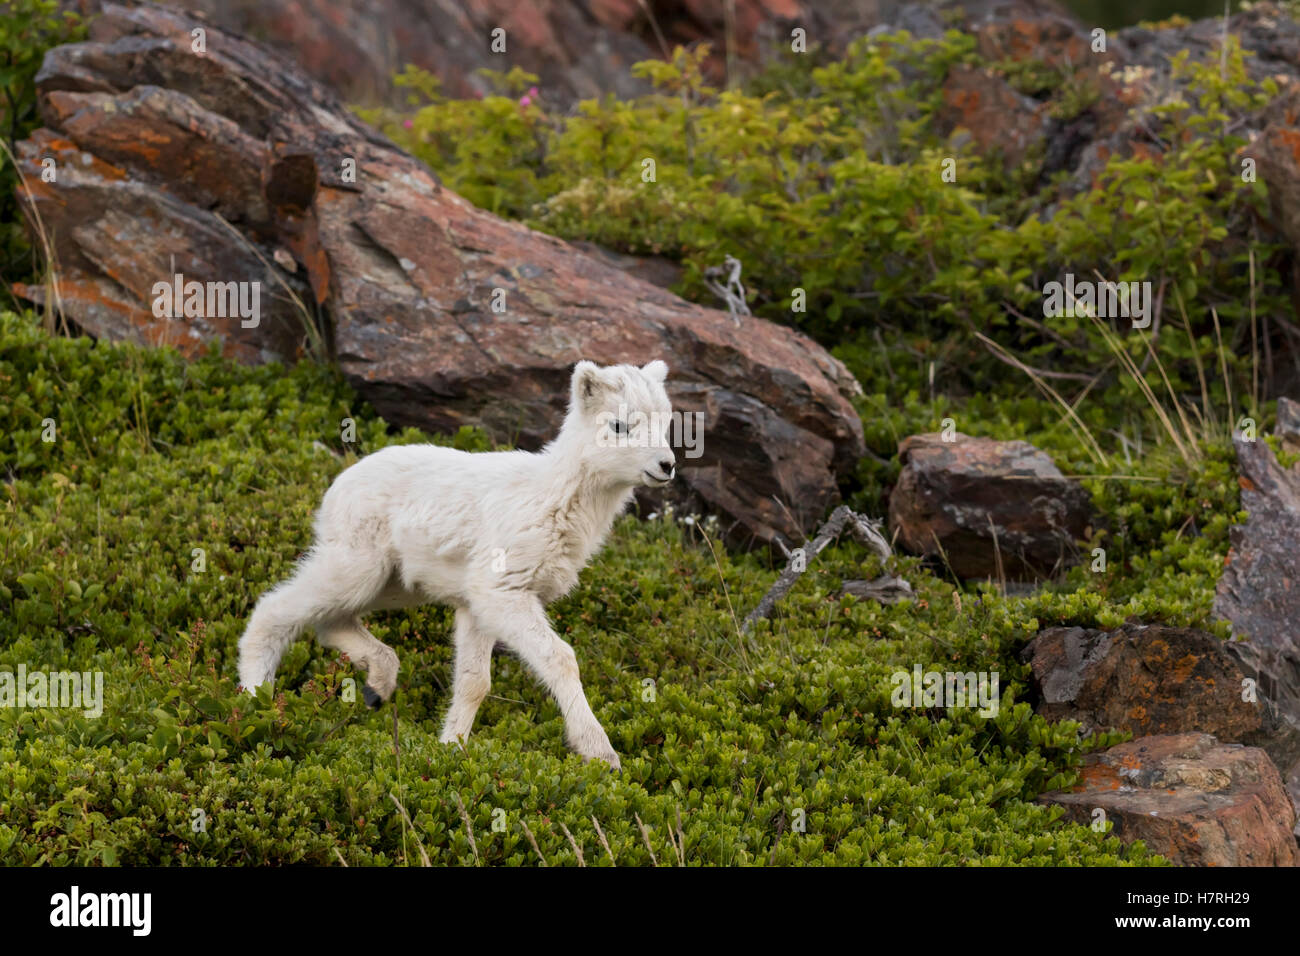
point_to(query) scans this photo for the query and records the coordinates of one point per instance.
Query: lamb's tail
(329, 584)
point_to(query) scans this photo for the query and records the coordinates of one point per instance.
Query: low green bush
(781, 749)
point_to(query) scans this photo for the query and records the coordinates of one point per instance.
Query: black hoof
(372, 699)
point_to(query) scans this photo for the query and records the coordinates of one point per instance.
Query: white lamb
(496, 535)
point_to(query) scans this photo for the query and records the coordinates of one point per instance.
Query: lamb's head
(620, 422)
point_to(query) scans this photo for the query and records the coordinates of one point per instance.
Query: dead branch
(864, 529)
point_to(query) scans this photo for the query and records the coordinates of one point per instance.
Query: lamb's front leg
(472, 677)
(518, 620)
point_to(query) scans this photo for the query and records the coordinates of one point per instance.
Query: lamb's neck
(582, 505)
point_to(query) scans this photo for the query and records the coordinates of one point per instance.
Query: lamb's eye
(619, 427)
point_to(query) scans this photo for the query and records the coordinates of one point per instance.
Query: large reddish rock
(1147, 679)
(231, 165)
(1189, 798)
(983, 506)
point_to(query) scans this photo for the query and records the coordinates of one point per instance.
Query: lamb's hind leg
(329, 584)
(519, 621)
(349, 636)
(472, 680)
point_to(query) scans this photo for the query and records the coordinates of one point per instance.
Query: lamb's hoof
(610, 758)
(372, 699)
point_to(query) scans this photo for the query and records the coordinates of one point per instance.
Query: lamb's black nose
(667, 467)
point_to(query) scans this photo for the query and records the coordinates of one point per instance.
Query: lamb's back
(426, 489)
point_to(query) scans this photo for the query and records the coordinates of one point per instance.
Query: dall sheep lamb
(495, 535)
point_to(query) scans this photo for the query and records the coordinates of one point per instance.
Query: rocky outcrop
(1270, 36)
(578, 50)
(1288, 424)
(1259, 593)
(585, 49)
(227, 164)
(980, 103)
(1189, 798)
(1144, 679)
(1259, 590)
(986, 507)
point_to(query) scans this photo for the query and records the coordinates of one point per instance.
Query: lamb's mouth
(656, 480)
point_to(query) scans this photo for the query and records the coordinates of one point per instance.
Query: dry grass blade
(406, 819)
(997, 560)
(1130, 366)
(1223, 364)
(469, 828)
(53, 305)
(645, 835)
(315, 340)
(577, 850)
(744, 656)
(1081, 431)
(600, 835)
(533, 841)
(680, 842)
(1254, 342)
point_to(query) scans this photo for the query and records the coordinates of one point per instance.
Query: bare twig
(887, 589)
(864, 529)
(730, 292)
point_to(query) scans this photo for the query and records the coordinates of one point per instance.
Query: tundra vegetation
(138, 540)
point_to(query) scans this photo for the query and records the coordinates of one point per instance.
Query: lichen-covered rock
(1147, 679)
(1189, 798)
(1259, 593)
(1288, 424)
(997, 117)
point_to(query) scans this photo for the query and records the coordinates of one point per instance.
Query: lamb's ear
(588, 385)
(656, 370)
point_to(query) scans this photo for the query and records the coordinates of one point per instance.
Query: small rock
(978, 503)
